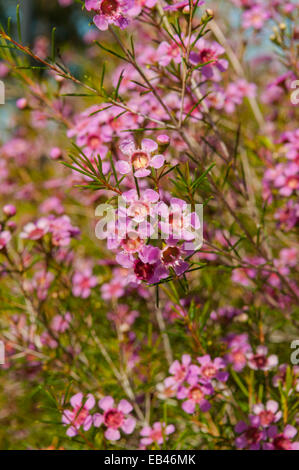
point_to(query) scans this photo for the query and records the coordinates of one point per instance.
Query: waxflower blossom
(41, 282)
(172, 256)
(238, 349)
(177, 222)
(140, 159)
(260, 359)
(110, 12)
(115, 418)
(79, 416)
(255, 17)
(251, 435)
(123, 317)
(195, 395)
(268, 413)
(283, 440)
(157, 434)
(83, 282)
(211, 369)
(209, 53)
(182, 372)
(35, 230)
(61, 323)
(5, 238)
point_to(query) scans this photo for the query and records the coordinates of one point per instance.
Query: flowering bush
(174, 330)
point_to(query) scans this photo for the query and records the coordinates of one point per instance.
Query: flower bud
(22, 103)
(9, 210)
(163, 142)
(55, 153)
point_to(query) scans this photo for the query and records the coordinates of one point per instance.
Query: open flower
(251, 434)
(115, 418)
(79, 415)
(140, 159)
(110, 12)
(157, 433)
(183, 371)
(195, 395)
(35, 230)
(83, 281)
(267, 414)
(281, 441)
(260, 360)
(5, 237)
(210, 369)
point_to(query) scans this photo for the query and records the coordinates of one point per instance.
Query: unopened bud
(22, 103)
(55, 153)
(163, 142)
(11, 225)
(9, 210)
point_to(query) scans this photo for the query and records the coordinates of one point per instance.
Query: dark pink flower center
(260, 361)
(266, 417)
(170, 255)
(196, 394)
(209, 371)
(131, 245)
(253, 435)
(140, 160)
(113, 418)
(281, 443)
(156, 435)
(143, 271)
(93, 142)
(36, 233)
(109, 7)
(80, 415)
(206, 55)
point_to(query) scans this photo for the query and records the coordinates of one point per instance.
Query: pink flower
(140, 159)
(115, 418)
(183, 371)
(61, 323)
(267, 414)
(41, 282)
(5, 238)
(109, 12)
(281, 441)
(209, 53)
(9, 210)
(255, 17)
(168, 51)
(250, 434)
(158, 433)
(35, 230)
(238, 349)
(62, 230)
(83, 282)
(140, 207)
(172, 256)
(260, 360)
(195, 395)
(288, 216)
(148, 266)
(123, 317)
(113, 289)
(79, 415)
(212, 369)
(136, 9)
(181, 4)
(177, 222)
